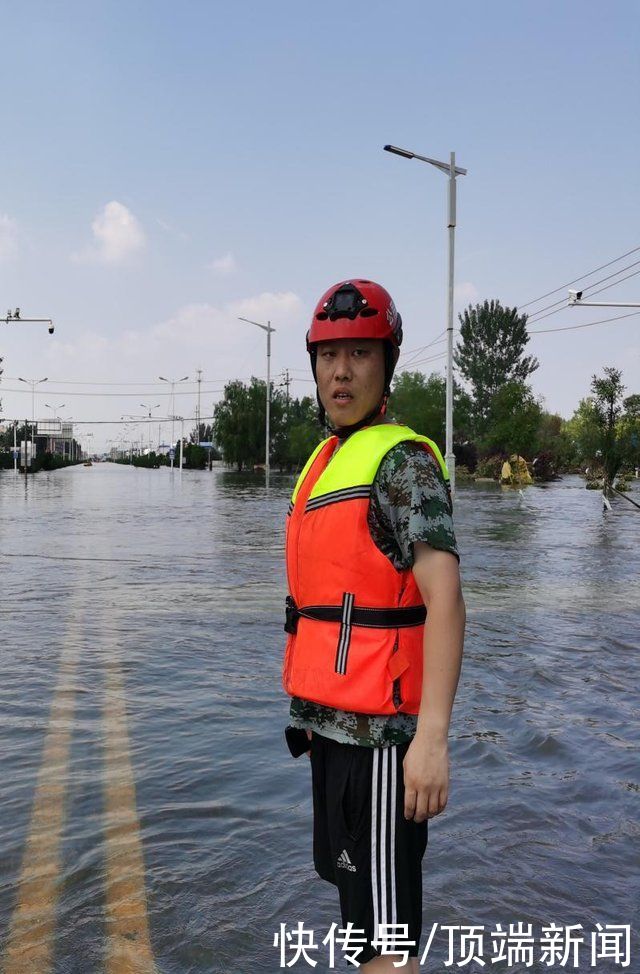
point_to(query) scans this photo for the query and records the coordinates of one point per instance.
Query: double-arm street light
(149, 408)
(451, 170)
(33, 383)
(173, 383)
(268, 330)
(54, 410)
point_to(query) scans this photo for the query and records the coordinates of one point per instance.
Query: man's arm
(426, 765)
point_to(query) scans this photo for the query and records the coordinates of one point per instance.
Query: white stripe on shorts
(383, 845)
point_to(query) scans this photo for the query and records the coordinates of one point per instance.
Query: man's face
(350, 375)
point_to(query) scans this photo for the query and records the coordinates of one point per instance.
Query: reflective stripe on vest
(355, 623)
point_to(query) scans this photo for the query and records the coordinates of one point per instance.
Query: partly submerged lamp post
(33, 383)
(451, 170)
(173, 383)
(150, 409)
(268, 330)
(54, 410)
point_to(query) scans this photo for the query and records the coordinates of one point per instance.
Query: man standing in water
(371, 555)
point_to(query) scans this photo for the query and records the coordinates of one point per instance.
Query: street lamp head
(399, 152)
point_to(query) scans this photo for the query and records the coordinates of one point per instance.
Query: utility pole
(24, 452)
(287, 382)
(199, 380)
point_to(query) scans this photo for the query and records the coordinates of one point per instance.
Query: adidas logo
(344, 862)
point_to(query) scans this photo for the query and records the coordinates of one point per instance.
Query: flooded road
(151, 817)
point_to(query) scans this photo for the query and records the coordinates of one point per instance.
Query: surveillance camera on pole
(575, 300)
(17, 316)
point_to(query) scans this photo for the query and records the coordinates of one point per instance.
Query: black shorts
(362, 842)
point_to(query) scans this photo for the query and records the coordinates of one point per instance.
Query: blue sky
(167, 167)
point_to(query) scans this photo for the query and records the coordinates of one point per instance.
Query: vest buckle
(291, 615)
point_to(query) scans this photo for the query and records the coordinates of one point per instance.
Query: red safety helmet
(355, 309)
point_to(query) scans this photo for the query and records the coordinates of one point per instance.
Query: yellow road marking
(31, 935)
(129, 944)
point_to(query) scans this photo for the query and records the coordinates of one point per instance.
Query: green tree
(300, 434)
(607, 392)
(513, 421)
(554, 442)
(239, 422)
(583, 432)
(420, 402)
(630, 430)
(490, 353)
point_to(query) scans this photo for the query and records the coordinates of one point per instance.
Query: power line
(613, 284)
(103, 395)
(537, 315)
(576, 279)
(586, 324)
(95, 382)
(155, 421)
(416, 351)
(422, 361)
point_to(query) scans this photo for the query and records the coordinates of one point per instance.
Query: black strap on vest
(401, 618)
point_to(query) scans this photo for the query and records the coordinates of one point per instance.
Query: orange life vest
(355, 622)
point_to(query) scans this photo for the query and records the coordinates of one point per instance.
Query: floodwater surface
(151, 818)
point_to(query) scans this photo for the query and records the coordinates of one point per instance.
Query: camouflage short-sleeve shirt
(409, 502)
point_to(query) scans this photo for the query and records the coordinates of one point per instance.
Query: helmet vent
(322, 316)
(368, 312)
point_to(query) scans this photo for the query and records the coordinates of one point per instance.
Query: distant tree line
(495, 411)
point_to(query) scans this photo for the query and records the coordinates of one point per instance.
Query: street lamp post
(150, 408)
(68, 439)
(54, 410)
(33, 383)
(451, 170)
(268, 330)
(173, 383)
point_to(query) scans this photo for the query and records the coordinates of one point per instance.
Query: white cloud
(465, 293)
(193, 326)
(8, 237)
(225, 265)
(279, 306)
(117, 235)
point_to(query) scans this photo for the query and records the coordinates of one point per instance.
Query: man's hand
(426, 777)
(426, 765)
